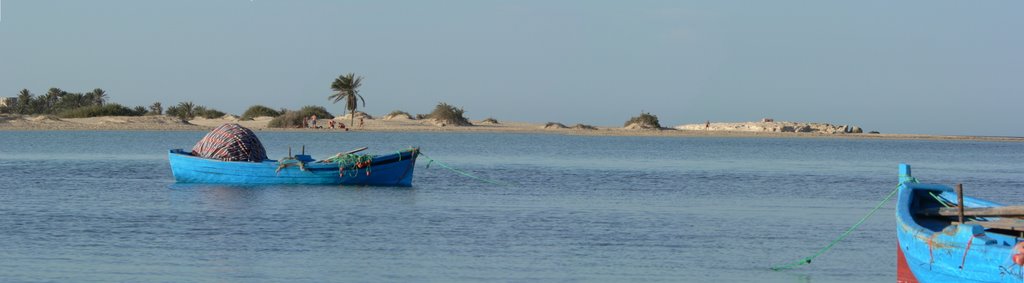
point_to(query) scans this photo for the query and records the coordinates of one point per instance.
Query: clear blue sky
(935, 67)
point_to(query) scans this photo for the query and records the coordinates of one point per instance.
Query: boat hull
(935, 251)
(387, 170)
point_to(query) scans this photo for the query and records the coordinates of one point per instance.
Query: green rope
(463, 173)
(288, 162)
(807, 260)
(938, 199)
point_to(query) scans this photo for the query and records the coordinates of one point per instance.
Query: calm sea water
(102, 206)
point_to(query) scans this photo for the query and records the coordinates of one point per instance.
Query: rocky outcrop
(359, 115)
(775, 127)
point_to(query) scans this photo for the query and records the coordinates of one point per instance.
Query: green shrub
(208, 113)
(450, 115)
(398, 113)
(292, 119)
(490, 120)
(645, 120)
(319, 111)
(110, 109)
(258, 111)
(172, 111)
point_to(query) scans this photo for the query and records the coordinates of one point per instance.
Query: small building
(767, 120)
(8, 101)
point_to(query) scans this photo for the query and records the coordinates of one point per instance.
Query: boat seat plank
(1000, 211)
(1008, 224)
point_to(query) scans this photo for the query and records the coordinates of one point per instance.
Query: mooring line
(807, 260)
(463, 173)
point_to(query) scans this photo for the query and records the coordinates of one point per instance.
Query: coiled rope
(807, 260)
(463, 173)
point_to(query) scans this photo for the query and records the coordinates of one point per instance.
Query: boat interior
(937, 209)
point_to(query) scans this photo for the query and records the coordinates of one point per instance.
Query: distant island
(62, 110)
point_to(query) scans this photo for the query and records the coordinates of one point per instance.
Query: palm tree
(347, 87)
(51, 99)
(72, 101)
(99, 96)
(24, 101)
(187, 110)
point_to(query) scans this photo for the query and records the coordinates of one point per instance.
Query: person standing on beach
(360, 122)
(312, 121)
(707, 124)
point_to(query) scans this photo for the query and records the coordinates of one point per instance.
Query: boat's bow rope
(807, 260)
(463, 173)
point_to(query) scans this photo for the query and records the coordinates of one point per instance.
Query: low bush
(292, 119)
(208, 113)
(259, 111)
(449, 115)
(645, 120)
(554, 125)
(398, 114)
(319, 111)
(490, 120)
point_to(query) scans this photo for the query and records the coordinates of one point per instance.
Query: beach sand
(164, 123)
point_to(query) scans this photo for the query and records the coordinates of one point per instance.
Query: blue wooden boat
(936, 242)
(394, 169)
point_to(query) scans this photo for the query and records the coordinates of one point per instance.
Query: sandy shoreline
(163, 123)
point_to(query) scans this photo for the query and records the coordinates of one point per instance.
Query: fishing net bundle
(230, 142)
(353, 161)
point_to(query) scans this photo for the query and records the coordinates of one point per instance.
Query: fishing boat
(232, 154)
(944, 236)
(395, 169)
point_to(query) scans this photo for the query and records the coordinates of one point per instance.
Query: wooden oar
(343, 153)
(355, 150)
